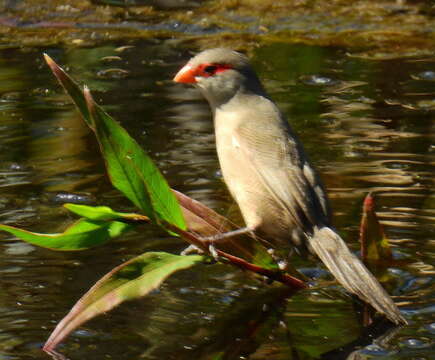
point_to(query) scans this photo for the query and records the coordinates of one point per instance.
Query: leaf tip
(369, 203)
(56, 69)
(50, 62)
(88, 97)
(48, 348)
(47, 58)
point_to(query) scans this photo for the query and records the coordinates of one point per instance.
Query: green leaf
(131, 280)
(130, 169)
(375, 247)
(71, 88)
(137, 164)
(262, 258)
(81, 235)
(102, 213)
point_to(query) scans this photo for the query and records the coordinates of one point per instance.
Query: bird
(264, 166)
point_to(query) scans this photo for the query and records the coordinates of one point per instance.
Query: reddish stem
(239, 262)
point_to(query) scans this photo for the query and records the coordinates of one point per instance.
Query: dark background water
(368, 125)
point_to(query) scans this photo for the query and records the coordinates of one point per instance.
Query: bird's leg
(211, 240)
(229, 234)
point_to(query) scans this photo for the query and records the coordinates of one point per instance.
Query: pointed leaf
(136, 163)
(131, 280)
(124, 158)
(121, 178)
(71, 88)
(374, 244)
(103, 213)
(81, 235)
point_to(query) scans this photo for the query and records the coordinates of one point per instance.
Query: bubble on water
(431, 328)
(425, 75)
(317, 80)
(113, 73)
(415, 343)
(374, 349)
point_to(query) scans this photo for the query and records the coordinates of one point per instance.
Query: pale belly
(258, 207)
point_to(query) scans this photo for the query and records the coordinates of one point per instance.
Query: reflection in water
(363, 125)
(55, 153)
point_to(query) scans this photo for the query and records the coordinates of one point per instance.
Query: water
(367, 126)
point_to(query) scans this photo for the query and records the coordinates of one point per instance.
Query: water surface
(367, 126)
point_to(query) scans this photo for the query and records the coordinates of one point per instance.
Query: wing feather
(277, 159)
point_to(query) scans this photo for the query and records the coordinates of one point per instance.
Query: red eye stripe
(206, 70)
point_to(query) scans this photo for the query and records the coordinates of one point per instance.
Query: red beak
(186, 75)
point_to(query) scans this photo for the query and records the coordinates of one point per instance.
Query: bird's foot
(222, 237)
(214, 239)
(282, 264)
(192, 249)
(213, 252)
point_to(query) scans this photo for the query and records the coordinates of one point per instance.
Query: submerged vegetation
(377, 29)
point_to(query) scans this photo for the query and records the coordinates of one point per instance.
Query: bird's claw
(213, 252)
(192, 249)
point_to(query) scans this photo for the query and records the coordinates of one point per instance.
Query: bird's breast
(254, 199)
(233, 162)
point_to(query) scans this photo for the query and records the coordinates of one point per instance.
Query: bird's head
(220, 74)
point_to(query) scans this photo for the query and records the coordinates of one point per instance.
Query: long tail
(352, 273)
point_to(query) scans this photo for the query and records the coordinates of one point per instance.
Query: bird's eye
(210, 69)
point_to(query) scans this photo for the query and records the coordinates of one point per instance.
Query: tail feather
(352, 273)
